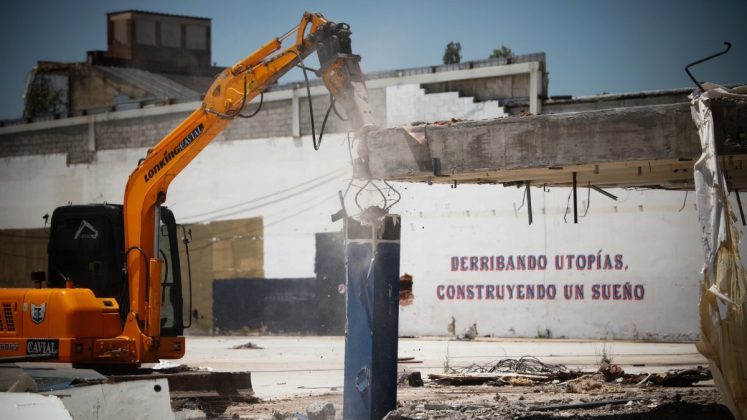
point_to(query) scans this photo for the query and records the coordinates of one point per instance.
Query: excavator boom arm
(235, 87)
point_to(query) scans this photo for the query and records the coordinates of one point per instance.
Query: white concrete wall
(291, 186)
(658, 245)
(286, 182)
(295, 189)
(409, 103)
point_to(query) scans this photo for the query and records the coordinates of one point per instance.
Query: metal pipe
(739, 203)
(529, 201)
(603, 192)
(575, 200)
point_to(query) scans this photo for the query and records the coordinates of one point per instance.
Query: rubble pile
(526, 388)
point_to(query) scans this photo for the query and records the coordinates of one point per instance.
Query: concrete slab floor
(307, 366)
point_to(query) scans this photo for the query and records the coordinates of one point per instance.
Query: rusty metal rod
(727, 44)
(575, 200)
(529, 201)
(603, 192)
(739, 203)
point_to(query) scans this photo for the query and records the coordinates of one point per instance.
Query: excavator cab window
(86, 245)
(171, 286)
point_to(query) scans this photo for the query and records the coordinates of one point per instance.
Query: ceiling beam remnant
(651, 146)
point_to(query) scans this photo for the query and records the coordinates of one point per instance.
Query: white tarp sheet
(724, 288)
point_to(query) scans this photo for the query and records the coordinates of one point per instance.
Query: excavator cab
(86, 245)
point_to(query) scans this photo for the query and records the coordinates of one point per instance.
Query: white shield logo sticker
(37, 313)
(86, 231)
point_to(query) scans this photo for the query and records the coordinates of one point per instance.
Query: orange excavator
(114, 295)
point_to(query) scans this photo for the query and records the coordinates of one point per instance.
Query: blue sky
(591, 46)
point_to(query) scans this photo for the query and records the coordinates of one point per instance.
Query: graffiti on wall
(599, 263)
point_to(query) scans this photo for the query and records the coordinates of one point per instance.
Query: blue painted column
(372, 309)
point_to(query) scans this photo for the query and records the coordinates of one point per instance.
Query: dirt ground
(291, 374)
(517, 402)
(484, 378)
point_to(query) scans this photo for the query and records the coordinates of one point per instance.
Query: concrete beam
(637, 146)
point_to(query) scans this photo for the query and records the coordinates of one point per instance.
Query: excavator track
(212, 392)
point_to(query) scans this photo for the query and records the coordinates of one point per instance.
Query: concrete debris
(14, 378)
(167, 365)
(213, 392)
(462, 379)
(530, 371)
(413, 379)
(593, 404)
(189, 414)
(406, 296)
(524, 371)
(672, 378)
(142, 399)
(27, 406)
(432, 407)
(469, 334)
(22, 382)
(247, 345)
(526, 365)
(148, 393)
(698, 405)
(610, 371)
(321, 411)
(586, 384)
(400, 415)
(289, 416)
(521, 381)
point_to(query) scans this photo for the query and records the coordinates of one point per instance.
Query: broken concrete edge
(211, 392)
(148, 398)
(320, 410)
(222, 383)
(136, 399)
(662, 174)
(643, 146)
(26, 405)
(540, 141)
